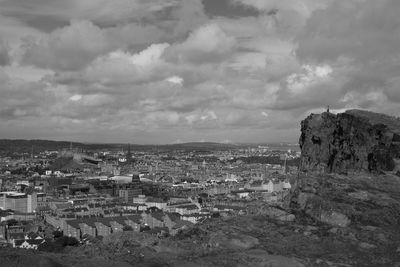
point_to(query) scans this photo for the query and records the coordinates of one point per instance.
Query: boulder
(232, 241)
(303, 198)
(279, 214)
(364, 245)
(334, 218)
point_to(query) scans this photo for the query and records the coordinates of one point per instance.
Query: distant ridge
(22, 145)
(25, 146)
(38, 145)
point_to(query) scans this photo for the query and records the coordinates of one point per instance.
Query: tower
(136, 185)
(129, 155)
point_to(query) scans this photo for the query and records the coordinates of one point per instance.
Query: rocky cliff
(348, 192)
(350, 142)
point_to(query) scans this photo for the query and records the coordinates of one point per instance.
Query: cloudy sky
(165, 71)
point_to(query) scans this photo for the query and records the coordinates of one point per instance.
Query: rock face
(366, 147)
(350, 142)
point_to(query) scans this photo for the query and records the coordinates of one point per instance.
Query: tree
(57, 234)
(72, 241)
(67, 241)
(11, 222)
(127, 228)
(50, 246)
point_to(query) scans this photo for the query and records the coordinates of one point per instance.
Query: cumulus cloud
(82, 39)
(361, 48)
(121, 67)
(206, 44)
(67, 48)
(20, 99)
(175, 80)
(298, 83)
(158, 71)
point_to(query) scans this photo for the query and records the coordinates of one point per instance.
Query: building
(136, 185)
(271, 186)
(28, 243)
(131, 190)
(154, 219)
(21, 202)
(32, 202)
(103, 228)
(185, 209)
(117, 225)
(99, 226)
(88, 228)
(156, 202)
(174, 223)
(127, 195)
(134, 221)
(241, 193)
(72, 229)
(141, 199)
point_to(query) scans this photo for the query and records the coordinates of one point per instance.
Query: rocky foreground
(335, 220)
(344, 210)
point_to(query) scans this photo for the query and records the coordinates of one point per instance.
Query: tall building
(136, 185)
(129, 160)
(21, 202)
(32, 202)
(126, 195)
(136, 181)
(128, 191)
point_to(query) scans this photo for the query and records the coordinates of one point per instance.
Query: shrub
(127, 228)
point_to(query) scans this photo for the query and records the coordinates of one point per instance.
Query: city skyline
(175, 71)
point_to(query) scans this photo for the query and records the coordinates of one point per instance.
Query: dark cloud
(100, 12)
(5, 58)
(20, 99)
(354, 29)
(227, 8)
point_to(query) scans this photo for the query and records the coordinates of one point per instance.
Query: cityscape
(199, 133)
(160, 192)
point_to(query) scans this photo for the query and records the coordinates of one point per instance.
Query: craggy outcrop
(350, 142)
(348, 171)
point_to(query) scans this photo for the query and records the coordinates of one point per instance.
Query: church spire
(129, 155)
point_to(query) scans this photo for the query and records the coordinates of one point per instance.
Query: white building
(122, 179)
(25, 203)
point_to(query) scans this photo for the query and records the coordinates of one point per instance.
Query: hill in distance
(26, 146)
